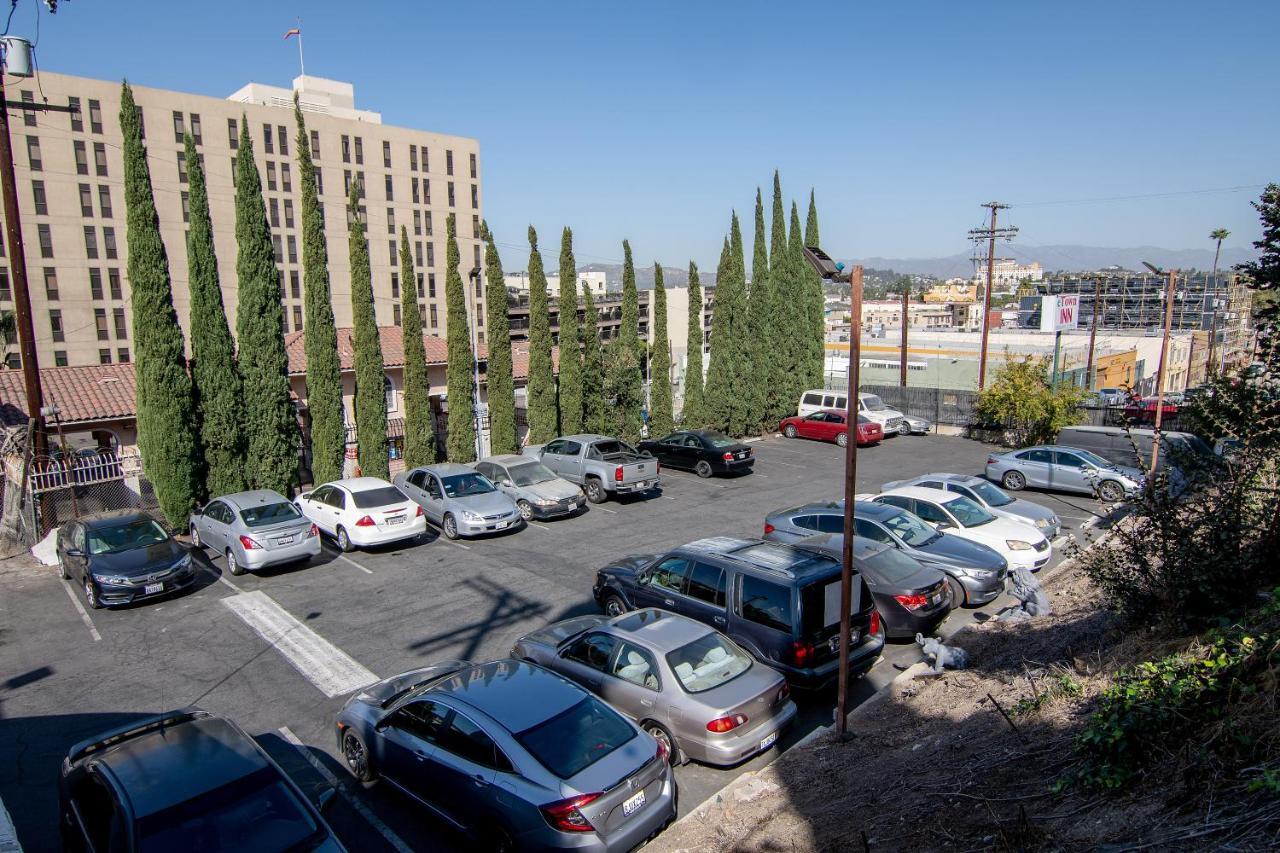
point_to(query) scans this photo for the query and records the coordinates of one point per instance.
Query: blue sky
(653, 120)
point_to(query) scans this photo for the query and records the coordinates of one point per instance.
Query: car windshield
(707, 662)
(911, 529)
(530, 474)
(382, 496)
(993, 495)
(577, 737)
(127, 536)
(276, 513)
(465, 485)
(715, 439)
(1092, 457)
(968, 512)
(257, 813)
(873, 403)
(892, 565)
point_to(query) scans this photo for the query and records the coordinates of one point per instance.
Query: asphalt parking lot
(280, 651)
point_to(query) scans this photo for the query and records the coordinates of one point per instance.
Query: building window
(417, 222)
(233, 134)
(413, 186)
(433, 317)
(390, 192)
(395, 314)
(100, 321)
(109, 242)
(431, 254)
(419, 285)
(55, 325)
(297, 318)
(413, 158)
(33, 154)
(359, 151)
(179, 132)
(346, 182)
(391, 250)
(196, 135)
(475, 226)
(182, 167)
(475, 197)
(77, 120)
(315, 145)
(292, 243)
(395, 285)
(51, 284)
(422, 153)
(266, 139)
(277, 245)
(113, 282)
(100, 159)
(46, 241)
(104, 356)
(346, 148)
(448, 162)
(427, 217)
(90, 242)
(473, 167)
(273, 212)
(59, 358)
(271, 175)
(319, 184)
(451, 197)
(386, 154)
(391, 219)
(186, 206)
(360, 184)
(389, 390)
(286, 178)
(37, 193)
(475, 255)
(417, 252)
(82, 158)
(28, 115)
(282, 139)
(426, 193)
(95, 283)
(431, 285)
(95, 116)
(122, 331)
(122, 355)
(104, 200)
(288, 213)
(295, 284)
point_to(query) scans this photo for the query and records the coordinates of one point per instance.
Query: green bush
(1023, 401)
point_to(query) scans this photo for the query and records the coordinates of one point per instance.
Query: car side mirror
(325, 798)
(503, 481)
(74, 552)
(944, 525)
(304, 496)
(198, 511)
(384, 723)
(642, 577)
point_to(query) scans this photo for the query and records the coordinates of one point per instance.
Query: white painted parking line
(322, 663)
(539, 526)
(610, 511)
(344, 558)
(460, 545)
(356, 803)
(84, 615)
(8, 835)
(788, 464)
(1061, 540)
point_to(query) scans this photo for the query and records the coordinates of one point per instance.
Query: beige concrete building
(70, 189)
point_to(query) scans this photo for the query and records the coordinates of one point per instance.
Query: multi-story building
(1007, 274)
(70, 188)
(594, 280)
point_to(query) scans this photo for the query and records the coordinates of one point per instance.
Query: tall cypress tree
(419, 421)
(717, 403)
(630, 329)
(595, 408)
(214, 377)
(816, 301)
(504, 434)
(661, 419)
(570, 348)
(766, 367)
(461, 441)
(166, 413)
(802, 354)
(370, 403)
(542, 380)
(786, 340)
(270, 422)
(624, 371)
(691, 413)
(744, 419)
(324, 370)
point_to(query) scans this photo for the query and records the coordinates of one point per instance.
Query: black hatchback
(122, 557)
(702, 451)
(779, 602)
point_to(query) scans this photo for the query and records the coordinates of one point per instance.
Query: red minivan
(831, 425)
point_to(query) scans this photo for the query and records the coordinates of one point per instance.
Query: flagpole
(301, 65)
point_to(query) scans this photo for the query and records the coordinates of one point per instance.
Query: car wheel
(495, 837)
(1110, 491)
(62, 569)
(702, 469)
(344, 540)
(233, 565)
(1014, 481)
(526, 510)
(356, 757)
(790, 431)
(662, 736)
(843, 439)
(450, 527)
(905, 429)
(195, 538)
(91, 595)
(957, 593)
(595, 491)
(613, 605)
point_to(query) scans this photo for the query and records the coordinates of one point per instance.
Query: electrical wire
(13, 7)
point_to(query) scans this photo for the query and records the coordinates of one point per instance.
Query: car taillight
(720, 725)
(728, 457)
(314, 531)
(768, 528)
(912, 602)
(365, 521)
(801, 653)
(664, 752)
(617, 474)
(565, 816)
(991, 460)
(419, 513)
(875, 622)
(249, 544)
(784, 693)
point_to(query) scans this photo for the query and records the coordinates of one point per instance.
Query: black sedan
(119, 558)
(702, 451)
(912, 598)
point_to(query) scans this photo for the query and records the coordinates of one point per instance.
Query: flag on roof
(293, 32)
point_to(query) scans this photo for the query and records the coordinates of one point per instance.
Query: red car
(1144, 410)
(831, 425)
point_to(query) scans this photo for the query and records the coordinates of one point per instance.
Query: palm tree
(1218, 234)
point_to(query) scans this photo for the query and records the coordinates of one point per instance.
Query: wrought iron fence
(66, 486)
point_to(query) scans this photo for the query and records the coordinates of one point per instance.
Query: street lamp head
(1155, 269)
(823, 265)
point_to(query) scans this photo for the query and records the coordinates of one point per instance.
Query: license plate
(834, 642)
(629, 806)
(742, 456)
(769, 741)
(285, 540)
(500, 525)
(152, 588)
(395, 519)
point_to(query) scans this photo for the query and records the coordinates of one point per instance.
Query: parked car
(703, 451)
(537, 492)
(517, 757)
(1068, 469)
(254, 530)
(990, 497)
(1130, 447)
(975, 573)
(773, 600)
(459, 500)
(912, 598)
(1112, 397)
(183, 780)
(831, 425)
(362, 511)
(870, 405)
(122, 557)
(687, 685)
(915, 425)
(1143, 410)
(602, 466)
(1021, 545)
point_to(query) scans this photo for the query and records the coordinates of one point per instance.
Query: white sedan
(362, 511)
(1022, 545)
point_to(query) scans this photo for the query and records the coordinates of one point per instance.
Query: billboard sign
(1059, 313)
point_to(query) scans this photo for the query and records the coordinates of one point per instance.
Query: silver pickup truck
(600, 464)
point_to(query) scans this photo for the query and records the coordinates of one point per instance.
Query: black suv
(185, 780)
(780, 603)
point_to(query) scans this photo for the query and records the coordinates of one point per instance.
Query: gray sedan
(1068, 469)
(687, 685)
(989, 496)
(912, 425)
(254, 530)
(459, 500)
(538, 492)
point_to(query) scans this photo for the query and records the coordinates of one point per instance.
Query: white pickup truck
(599, 464)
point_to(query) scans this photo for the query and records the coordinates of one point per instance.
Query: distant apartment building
(594, 280)
(881, 315)
(70, 189)
(1007, 274)
(951, 291)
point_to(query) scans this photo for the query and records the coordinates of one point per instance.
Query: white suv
(869, 405)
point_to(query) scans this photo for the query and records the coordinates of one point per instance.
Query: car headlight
(545, 502)
(1043, 523)
(980, 574)
(1017, 545)
(183, 562)
(471, 516)
(111, 579)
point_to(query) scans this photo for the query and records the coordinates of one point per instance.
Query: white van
(869, 405)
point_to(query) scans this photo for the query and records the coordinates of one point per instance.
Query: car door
(662, 584)
(413, 485)
(812, 425)
(216, 526)
(71, 550)
(1070, 473)
(314, 506)
(763, 614)
(407, 738)
(1034, 465)
(588, 658)
(671, 451)
(835, 425)
(554, 456)
(95, 819)
(632, 684)
(464, 765)
(869, 529)
(433, 498)
(934, 514)
(336, 503)
(704, 596)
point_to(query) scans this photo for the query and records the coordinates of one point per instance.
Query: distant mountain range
(1065, 258)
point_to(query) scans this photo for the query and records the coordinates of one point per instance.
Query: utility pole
(1164, 352)
(1089, 374)
(906, 321)
(989, 234)
(850, 477)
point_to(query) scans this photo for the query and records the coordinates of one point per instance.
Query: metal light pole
(1164, 352)
(474, 275)
(906, 298)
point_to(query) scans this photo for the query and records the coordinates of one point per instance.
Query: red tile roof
(393, 351)
(94, 393)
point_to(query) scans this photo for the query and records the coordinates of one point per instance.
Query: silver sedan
(254, 530)
(687, 685)
(537, 491)
(1067, 469)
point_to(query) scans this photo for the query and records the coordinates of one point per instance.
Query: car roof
(516, 694)
(449, 469)
(728, 548)
(504, 459)
(863, 548)
(863, 509)
(922, 493)
(360, 484)
(660, 630)
(584, 437)
(256, 497)
(104, 519)
(178, 763)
